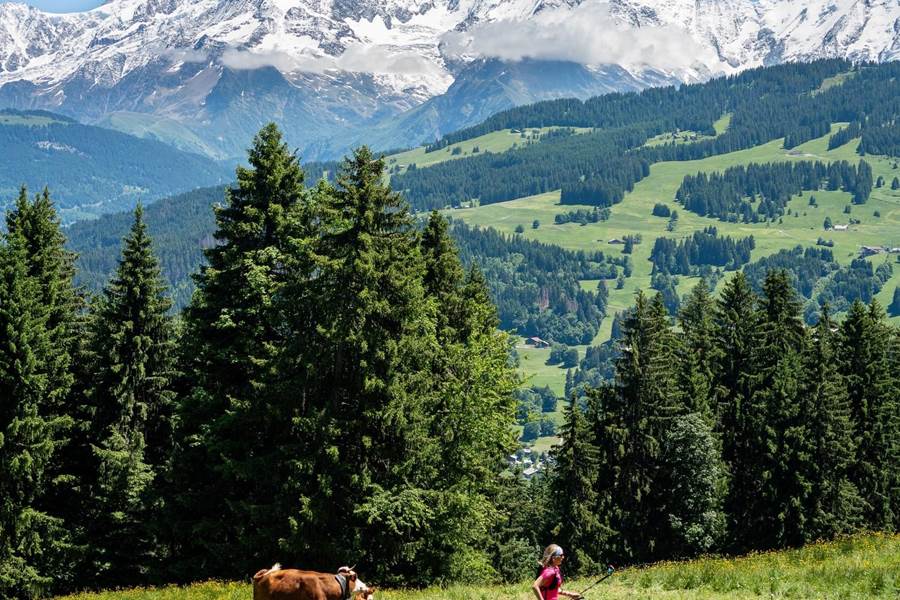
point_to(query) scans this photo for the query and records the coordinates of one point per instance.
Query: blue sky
(62, 6)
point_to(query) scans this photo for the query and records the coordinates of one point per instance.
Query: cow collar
(345, 586)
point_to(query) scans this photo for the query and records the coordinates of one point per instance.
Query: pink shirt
(547, 577)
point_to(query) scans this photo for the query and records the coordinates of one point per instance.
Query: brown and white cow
(292, 584)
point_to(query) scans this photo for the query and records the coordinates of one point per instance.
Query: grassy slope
(633, 216)
(865, 567)
(497, 141)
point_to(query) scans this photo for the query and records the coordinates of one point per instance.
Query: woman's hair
(549, 552)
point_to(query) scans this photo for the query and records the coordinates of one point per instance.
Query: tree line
(598, 168)
(535, 286)
(702, 248)
(745, 431)
(337, 391)
(758, 192)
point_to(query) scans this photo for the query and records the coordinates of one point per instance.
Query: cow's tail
(263, 572)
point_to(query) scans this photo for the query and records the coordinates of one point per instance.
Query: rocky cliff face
(205, 74)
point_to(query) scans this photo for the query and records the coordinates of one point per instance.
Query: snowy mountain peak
(353, 63)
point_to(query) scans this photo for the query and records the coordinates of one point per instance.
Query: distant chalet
(537, 342)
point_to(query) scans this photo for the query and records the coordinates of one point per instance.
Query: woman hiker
(548, 585)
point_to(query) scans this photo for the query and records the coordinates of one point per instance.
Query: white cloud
(586, 34)
(357, 58)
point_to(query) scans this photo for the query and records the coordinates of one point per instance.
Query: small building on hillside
(616, 241)
(841, 227)
(537, 342)
(870, 250)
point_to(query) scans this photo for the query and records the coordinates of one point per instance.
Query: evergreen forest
(339, 390)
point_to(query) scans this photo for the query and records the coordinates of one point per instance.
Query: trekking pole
(609, 571)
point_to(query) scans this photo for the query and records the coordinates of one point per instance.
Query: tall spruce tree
(739, 415)
(130, 404)
(50, 267)
(865, 353)
(833, 505)
(697, 352)
(237, 426)
(633, 424)
(579, 526)
(779, 445)
(29, 437)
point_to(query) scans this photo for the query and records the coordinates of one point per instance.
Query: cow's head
(358, 589)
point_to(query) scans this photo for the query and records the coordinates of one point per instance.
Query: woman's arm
(536, 588)
(574, 595)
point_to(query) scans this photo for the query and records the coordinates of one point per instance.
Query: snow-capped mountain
(207, 73)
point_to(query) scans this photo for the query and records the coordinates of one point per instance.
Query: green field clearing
(863, 567)
(496, 142)
(689, 137)
(633, 216)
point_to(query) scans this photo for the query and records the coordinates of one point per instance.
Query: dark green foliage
(697, 353)
(832, 504)
(232, 343)
(576, 522)
(632, 419)
(582, 216)
(777, 449)
(894, 307)
(895, 184)
(696, 479)
(32, 430)
(129, 407)
(883, 140)
(845, 135)
(760, 192)
(560, 354)
(736, 333)
(661, 210)
(358, 424)
(535, 286)
(703, 248)
(866, 347)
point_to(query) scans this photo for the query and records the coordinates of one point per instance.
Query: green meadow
(633, 216)
(496, 142)
(854, 568)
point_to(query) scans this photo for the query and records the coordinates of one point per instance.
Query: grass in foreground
(852, 569)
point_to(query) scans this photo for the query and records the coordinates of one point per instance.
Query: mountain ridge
(346, 68)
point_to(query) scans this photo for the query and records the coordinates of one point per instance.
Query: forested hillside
(338, 388)
(92, 170)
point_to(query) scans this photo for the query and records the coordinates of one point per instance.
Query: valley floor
(854, 568)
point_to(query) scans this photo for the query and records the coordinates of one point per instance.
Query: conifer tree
(779, 446)
(443, 274)
(53, 269)
(236, 421)
(28, 436)
(894, 306)
(130, 406)
(739, 416)
(833, 505)
(697, 352)
(865, 347)
(633, 422)
(579, 525)
(50, 267)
